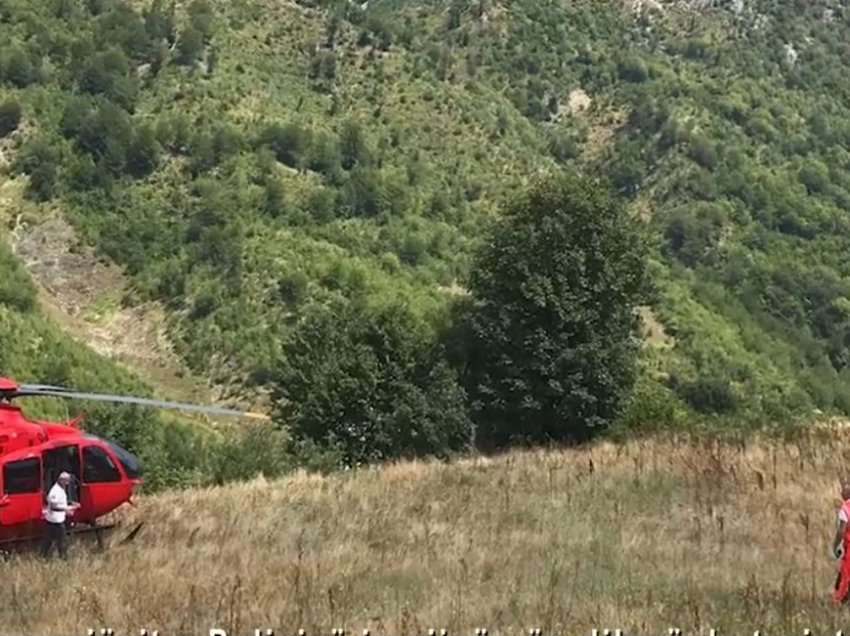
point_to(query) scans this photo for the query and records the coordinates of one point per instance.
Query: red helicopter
(34, 453)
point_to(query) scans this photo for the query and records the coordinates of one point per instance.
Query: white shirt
(842, 515)
(57, 505)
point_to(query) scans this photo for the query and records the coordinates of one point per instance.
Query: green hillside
(246, 161)
(174, 450)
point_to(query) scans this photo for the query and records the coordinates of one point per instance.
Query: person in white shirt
(55, 514)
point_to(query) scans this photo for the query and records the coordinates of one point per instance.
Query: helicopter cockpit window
(130, 462)
(98, 467)
(21, 477)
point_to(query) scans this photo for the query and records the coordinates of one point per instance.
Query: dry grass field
(643, 536)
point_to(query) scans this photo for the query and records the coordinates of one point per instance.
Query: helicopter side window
(98, 467)
(21, 477)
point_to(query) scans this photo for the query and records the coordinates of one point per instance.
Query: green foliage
(202, 17)
(107, 74)
(18, 67)
(160, 22)
(290, 143)
(702, 151)
(365, 193)
(39, 158)
(734, 159)
(633, 69)
(258, 450)
(563, 147)
(353, 145)
(16, 289)
(710, 395)
(815, 176)
(552, 323)
(369, 383)
(143, 152)
(190, 46)
(693, 233)
(323, 66)
(10, 117)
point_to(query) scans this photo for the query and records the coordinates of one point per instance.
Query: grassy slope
(643, 536)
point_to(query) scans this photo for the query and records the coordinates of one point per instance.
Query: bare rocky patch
(86, 296)
(654, 334)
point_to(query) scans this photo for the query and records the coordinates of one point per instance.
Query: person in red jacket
(841, 546)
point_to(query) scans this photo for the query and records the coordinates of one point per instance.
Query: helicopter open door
(61, 459)
(21, 498)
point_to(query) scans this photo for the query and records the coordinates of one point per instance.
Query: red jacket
(843, 584)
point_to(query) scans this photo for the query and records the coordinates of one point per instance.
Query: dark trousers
(55, 534)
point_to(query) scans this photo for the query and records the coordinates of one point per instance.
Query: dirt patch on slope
(603, 127)
(578, 101)
(653, 331)
(85, 295)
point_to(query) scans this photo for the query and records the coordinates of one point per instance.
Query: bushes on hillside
(10, 117)
(290, 143)
(710, 395)
(143, 152)
(18, 66)
(693, 233)
(39, 158)
(190, 46)
(108, 74)
(160, 21)
(16, 288)
(370, 383)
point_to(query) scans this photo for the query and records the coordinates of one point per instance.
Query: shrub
(370, 383)
(633, 69)
(190, 46)
(815, 176)
(290, 143)
(10, 117)
(710, 395)
(364, 193)
(563, 147)
(693, 233)
(202, 18)
(39, 158)
(107, 74)
(143, 152)
(325, 157)
(16, 66)
(702, 151)
(322, 204)
(353, 145)
(160, 22)
(16, 288)
(258, 450)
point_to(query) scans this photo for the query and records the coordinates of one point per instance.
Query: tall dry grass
(643, 536)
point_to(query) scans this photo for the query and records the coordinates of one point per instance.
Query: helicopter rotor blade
(38, 390)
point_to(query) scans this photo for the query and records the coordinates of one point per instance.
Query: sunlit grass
(643, 537)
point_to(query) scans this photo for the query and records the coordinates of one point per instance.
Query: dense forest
(285, 175)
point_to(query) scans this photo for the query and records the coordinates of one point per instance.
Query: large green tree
(550, 334)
